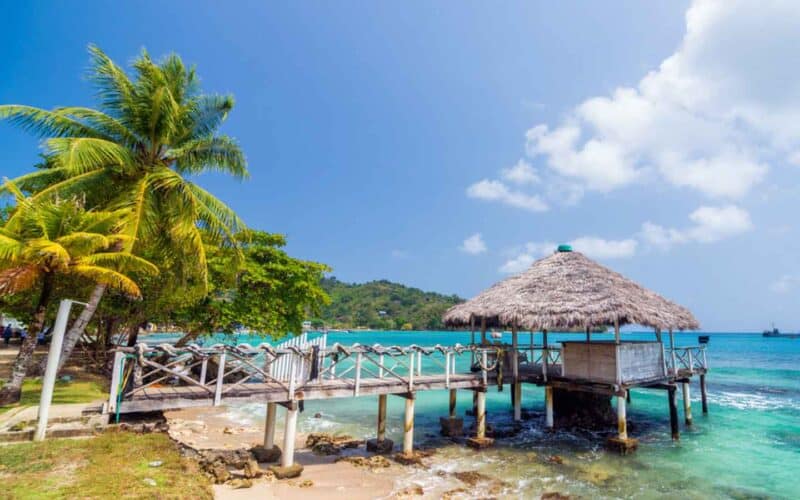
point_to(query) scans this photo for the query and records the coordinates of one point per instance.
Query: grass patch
(112, 465)
(85, 389)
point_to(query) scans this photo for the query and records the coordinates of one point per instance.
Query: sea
(746, 447)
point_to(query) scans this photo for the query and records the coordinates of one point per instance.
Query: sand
(323, 477)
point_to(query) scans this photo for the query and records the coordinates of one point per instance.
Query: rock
(218, 472)
(554, 495)
(234, 458)
(156, 463)
(409, 492)
(374, 462)
(451, 426)
(323, 443)
(307, 483)
(262, 454)
(150, 481)
(383, 447)
(555, 459)
(411, 459)
(289, 472)
(227, 430)
(238, 484)
(455, 493)
(318, 415)
(252, 470)
(472, 477)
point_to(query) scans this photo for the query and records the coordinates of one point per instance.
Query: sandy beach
(323, 476)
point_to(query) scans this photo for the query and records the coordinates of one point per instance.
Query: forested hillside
(382, 305)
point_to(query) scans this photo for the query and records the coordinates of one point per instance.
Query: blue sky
(446, 144)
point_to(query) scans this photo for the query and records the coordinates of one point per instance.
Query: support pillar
(516, 393)
(518, 402)
(687, 404)
(380, 444)
(480, 440)
(628, 396)
(673, 413)
(452, 425)
(288, 469)
(268, 452)
(548, 407)
(622, 443)
(408, 427)
(703, 393)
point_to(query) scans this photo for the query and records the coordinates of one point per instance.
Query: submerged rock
(374, 462)
(410, 492)
(323, 443)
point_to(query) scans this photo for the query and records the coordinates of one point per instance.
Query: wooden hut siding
(611, 363)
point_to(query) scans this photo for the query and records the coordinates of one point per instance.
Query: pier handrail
(688, 359)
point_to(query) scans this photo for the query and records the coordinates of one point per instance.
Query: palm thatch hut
(569, 292)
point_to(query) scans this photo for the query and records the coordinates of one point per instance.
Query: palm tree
(47, 239)
(136, 151)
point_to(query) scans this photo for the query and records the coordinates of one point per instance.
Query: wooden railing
(221, 369)
(689, 359)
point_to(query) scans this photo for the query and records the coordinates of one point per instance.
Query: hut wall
(610, 363)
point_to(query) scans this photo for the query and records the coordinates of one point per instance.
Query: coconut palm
(47, 239)
(135, 151)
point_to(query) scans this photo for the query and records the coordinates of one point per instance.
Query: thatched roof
(568, 290)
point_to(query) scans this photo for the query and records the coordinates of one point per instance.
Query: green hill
(382, 305)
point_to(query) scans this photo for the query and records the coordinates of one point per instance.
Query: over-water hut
(568, 292)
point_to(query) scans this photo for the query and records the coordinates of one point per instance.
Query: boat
(777, 333)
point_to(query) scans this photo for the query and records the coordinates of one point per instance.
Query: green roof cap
(564, 248)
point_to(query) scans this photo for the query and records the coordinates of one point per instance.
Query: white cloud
(492, 190)
(599, 248)
(596, 248)
(521, 173)
(474, 245)
(785, 284)
(710, 224)
(709, 118)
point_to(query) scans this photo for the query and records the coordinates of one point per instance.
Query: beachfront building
(568, 292)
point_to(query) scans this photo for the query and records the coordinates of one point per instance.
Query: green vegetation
(112, 465)
(137, 156)
(382, 305)
(86, 389)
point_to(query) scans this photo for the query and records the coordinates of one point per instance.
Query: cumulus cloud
(473, 245)
(596, 248)
(709, 118)
(521, 173)
(785, 284)
(709, 224)
(493, 190)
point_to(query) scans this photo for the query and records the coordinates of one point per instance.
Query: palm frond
(220, 219)
(79, 155)
(18, 279)
(10, 249)
(113, 87)
(206, 114)
(43, 123)
(83, 243)
(48, 253)
(100, 121)
(123, 262)
(44, 175)
(107, 277)
(219, 153)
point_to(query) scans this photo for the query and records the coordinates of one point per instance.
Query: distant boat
(703, 339)
(777, 333)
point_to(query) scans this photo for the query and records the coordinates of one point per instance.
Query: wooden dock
(165, 378)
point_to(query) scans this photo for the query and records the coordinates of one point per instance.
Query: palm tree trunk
(11, 392)
(78, 327)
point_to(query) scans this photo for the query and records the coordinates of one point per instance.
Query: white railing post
(447, 370)
(411, 371)
(380, 366)
(220, 377)
(292, 372)
(705, 361)
(691, 361)
(419, 363)
(485, 360)
(116, 375)
(358, 373)
(203, 370)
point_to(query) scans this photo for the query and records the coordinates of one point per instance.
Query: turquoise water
(748, 446)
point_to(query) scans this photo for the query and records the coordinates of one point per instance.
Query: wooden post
(483, 331)
(617, 338)
(380, 366)
(548, 406)
(628, 396)
(480, 416)
(358, 374)
(419, 363)
(203, 370)
(485, 361)
(622, 424)
(408, 426)
(588, 334)
(672, 352)
(382, 417)
(687, 404)
(269, 428)
(545, 354)
(472, 339)
(516, 393)
(410, 371)
(474, 403)
(452, 403)
(220, 379)
(703, 395)
(119, 363)
(289, 435)
(673, 413)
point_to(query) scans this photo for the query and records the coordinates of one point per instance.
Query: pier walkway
(153, 378)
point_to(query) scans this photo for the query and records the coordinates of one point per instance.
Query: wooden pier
(154, 378)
